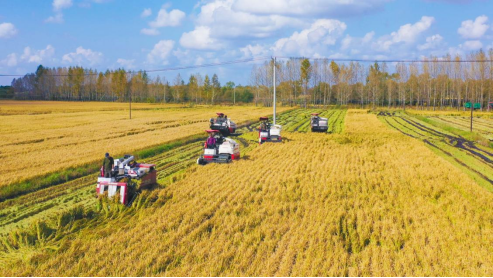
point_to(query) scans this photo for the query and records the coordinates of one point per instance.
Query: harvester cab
(319, 124)
(219, 149)
(268, 132)
(223, 124)
(127, 178)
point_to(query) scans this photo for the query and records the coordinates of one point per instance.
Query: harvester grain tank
(224, 150)
(269, 132)
(223, 124)
(128, 177)
(319, 124)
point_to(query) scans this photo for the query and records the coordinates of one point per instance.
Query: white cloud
(406, 35)
(251, 51)
(409, 32)
(322, 33)
(58, 18)
(128, 64)
(161, 52)
(474, 29)
(149, 32)
(199, 39)
(307, 8)
(472, 45)
(146, 13)
(405, 42)
(225, 22)
(83, 56)
(59, 5)
(10, 61)
(7, 30)
(432, 42)
(37, 56)
(163, 19)
(348, 41)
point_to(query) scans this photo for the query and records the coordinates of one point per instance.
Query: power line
(386, 61)
(166, 69)
(281, 57)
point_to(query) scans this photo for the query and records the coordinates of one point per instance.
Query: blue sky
(104, 34)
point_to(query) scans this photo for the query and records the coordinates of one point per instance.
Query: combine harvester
(223, 124)
(268, 132)
(225, 150)
(128, 177)
(319, 124)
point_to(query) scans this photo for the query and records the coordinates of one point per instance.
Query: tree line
(80, 84)
(6, 92)
(431, 83)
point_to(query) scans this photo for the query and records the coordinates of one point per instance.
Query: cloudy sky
(135, 35)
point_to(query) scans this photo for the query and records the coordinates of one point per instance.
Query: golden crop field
(38, 138)
(367, 202)
(457, 113)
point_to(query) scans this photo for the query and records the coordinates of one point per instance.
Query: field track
(472, 158)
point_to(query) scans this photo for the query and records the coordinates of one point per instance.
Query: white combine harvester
(223, 124)
(128, 177)
(319, 124)
(268, 132)
(225, 150)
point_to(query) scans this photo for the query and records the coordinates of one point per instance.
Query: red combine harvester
(224, 150)
(223, 124)
(128, 177)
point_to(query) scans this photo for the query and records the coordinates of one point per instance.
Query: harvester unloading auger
(219, 149)
(223, 124)
(319, 124)
(127, 178)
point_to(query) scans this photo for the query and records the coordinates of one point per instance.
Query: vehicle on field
(319, 124)
(223, 124)
(268, 132)
(128, 177)
(219, 149)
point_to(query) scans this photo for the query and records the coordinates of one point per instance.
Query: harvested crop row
(473, 159)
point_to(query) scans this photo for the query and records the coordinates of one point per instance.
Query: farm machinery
(319, 124)
(127, 178)
(268, 132)
(223, 124)
(219, 149)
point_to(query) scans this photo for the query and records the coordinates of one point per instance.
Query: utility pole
(234, 95)
(472, 109)
(274, 84)
(130, 103)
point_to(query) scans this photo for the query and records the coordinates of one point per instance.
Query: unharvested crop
(369, 201)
